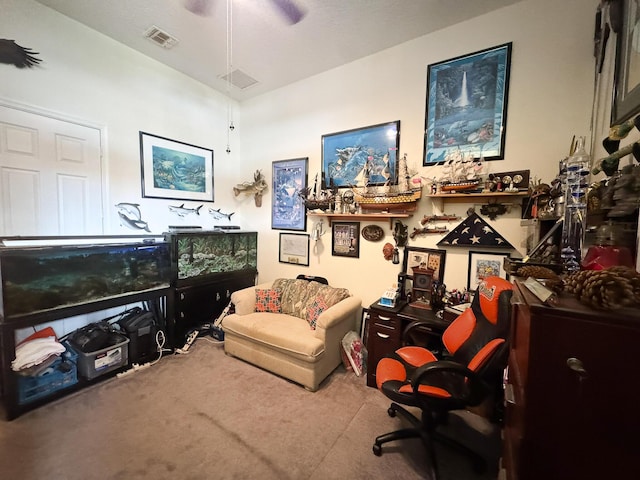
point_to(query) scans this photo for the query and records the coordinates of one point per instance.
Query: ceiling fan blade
(199, 7)
(290, 10)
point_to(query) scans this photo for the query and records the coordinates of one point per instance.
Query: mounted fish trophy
(257, 187)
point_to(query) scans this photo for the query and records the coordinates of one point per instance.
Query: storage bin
(61, 374)
(99, 362)
(94, 364)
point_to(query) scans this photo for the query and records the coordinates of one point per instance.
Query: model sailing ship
(401, 197)
(460, 173)
(314, 200)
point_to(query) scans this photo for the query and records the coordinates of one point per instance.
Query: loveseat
(291, 327)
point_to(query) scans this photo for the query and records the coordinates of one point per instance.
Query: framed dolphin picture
(175, 170)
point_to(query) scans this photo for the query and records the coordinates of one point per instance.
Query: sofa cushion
(314, 310)
(268, 300)
(282, 332)
(298, 295)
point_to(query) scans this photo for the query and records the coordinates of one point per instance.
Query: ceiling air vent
(160, 37)
(239, 79)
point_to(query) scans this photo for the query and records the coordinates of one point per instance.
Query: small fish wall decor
(183, 211)
(131, 217)
(217, 214)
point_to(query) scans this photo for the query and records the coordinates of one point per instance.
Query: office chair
(470, 373)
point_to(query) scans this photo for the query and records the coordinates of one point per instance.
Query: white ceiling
(264, 45)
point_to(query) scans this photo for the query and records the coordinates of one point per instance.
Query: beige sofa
(286, 343)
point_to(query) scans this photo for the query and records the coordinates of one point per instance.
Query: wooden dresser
(572, 392)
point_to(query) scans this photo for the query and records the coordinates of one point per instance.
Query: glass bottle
(575, 213)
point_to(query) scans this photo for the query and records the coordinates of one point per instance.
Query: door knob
(577, 366)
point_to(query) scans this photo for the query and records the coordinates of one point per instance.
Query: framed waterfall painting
(176, 170)
(466, 108)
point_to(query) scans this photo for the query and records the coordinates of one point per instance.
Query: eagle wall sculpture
(13, 54)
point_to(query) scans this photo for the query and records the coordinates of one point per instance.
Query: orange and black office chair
(477, 344)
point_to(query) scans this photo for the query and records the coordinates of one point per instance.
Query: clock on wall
(422, 288)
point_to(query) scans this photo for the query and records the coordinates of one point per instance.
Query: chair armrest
(456, 378)
(244, 300)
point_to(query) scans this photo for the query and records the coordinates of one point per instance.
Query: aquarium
(40, 278)
(209, 252)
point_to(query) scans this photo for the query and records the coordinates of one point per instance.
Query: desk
(384, 332)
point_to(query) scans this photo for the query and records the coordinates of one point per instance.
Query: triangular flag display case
(474, 231)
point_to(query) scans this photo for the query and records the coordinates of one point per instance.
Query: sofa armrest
(345, 310)
(244, 300)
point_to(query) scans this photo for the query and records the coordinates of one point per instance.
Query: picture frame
(626, 95)
(361, 156)
(484, 264)
(345, 241)
(427, 257)
(466, 106)
(289, 178)
(294, 248)
(175, 170)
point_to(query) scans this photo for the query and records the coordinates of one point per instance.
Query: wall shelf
(478, 194)
(439, 199)
(360, 217)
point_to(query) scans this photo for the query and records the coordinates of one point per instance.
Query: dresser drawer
(383, 338)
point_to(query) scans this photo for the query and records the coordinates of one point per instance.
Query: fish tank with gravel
(40, 278)
(205, 253)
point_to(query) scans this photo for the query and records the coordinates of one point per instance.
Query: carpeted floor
(209, 416)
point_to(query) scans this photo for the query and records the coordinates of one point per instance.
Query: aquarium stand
(48, 279)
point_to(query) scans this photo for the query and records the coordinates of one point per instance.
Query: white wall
(550, 99)
(90, 77)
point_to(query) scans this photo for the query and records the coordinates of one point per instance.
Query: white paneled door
(50, 176)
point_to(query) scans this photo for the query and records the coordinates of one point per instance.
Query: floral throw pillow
(314, 310)
(268, 300)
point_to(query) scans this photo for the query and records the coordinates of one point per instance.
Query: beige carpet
(209, 416)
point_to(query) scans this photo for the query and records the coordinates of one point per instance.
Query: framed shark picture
(361, 157)
(175, 170)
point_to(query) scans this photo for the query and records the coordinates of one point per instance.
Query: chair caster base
(377, 450)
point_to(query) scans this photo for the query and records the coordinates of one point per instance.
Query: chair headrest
(488, 296)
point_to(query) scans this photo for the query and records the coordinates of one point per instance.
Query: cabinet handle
(217, 295)
(577, 366)
(508, 394)
(228, 293)
(382, 335)
(386, 319)
(182, 296)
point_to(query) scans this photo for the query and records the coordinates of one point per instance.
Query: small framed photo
(294, 248)
(287, 209)
(175, 170)
(424, 258)
(361, 157)
(346, 239)
(485, 264)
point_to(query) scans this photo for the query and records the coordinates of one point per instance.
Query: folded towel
(36, 351)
